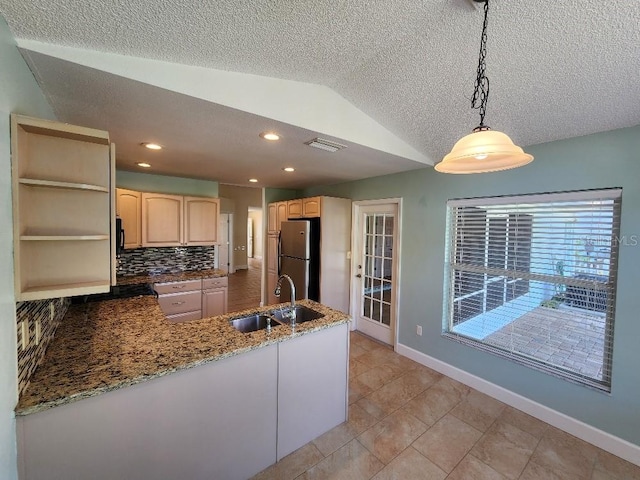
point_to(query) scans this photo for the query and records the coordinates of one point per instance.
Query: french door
(375, 268)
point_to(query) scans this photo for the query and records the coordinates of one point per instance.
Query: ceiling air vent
(326, 145)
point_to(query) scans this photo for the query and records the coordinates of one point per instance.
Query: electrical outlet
(25, 333)
(419, 330)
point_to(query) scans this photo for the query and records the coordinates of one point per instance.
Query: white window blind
(533, 277)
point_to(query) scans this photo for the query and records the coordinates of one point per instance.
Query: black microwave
(119, 236)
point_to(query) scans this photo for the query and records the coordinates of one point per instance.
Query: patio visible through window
(532, 278)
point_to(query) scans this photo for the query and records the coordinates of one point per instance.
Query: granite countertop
(104, 346)
(170, 277)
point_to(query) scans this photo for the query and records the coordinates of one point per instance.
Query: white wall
(19, 93)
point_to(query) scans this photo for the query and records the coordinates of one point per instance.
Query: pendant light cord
(481, 90)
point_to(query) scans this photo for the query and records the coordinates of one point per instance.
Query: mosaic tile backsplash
(33, 312)
(155, 260)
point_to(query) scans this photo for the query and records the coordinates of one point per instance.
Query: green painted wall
(610, 159)
(147, 182)
(278, 194)
(19, 93)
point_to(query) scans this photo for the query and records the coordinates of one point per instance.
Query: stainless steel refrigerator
(299, 257)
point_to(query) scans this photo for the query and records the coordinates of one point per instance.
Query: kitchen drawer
(180, 302)
(176, 287)
(216, 282)
(185, 317)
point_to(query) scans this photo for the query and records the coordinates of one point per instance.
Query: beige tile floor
(409, 422)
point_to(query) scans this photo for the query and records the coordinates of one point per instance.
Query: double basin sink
(273, 318)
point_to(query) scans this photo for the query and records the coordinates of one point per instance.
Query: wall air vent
(326, 145)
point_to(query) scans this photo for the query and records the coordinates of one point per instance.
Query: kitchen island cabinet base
(312, 386)
(227, 419)
(213, 421)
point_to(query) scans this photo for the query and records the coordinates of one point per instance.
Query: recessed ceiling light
(144, 165)
(270, 136)
(152, 146)
(289, 169)
(253, 180)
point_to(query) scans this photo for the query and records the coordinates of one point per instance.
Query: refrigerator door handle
(278, 253)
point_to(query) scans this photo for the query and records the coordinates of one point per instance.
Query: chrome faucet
(293, 295)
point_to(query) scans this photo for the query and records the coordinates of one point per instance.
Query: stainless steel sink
(303, 314)
(252, 323)
(279, 316)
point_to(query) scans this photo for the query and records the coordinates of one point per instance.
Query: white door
(375, 269)
(225, 247)
(249, 238)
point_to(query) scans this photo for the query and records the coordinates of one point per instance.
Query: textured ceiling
(202, 139)
(557, 69)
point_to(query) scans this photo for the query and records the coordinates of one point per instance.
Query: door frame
(228, 243)
(356, 235)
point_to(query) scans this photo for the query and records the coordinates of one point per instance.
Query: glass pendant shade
(483, 151)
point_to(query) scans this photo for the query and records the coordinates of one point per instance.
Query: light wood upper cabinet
(162, 220)
(201, 216)
(311, 207)
(294, 208)
(272, 217)
(298, 208)
(282, 213)
(277, 213)
(61, 186)
(174, 220)
(129, 209)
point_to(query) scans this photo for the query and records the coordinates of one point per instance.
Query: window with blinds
(533, 278)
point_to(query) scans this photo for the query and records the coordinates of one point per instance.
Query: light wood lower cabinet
(228, 419)
(180, 301)
(193, 299)
(214, 296)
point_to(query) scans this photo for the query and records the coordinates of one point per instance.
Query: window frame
(455, 269)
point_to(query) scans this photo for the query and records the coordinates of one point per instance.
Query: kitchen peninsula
(203, 400)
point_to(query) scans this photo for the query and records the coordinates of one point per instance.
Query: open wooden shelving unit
(62, 202)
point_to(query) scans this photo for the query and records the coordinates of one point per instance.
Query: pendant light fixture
(484, 150)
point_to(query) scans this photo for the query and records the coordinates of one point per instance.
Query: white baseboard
(588, 433)
(242, 267)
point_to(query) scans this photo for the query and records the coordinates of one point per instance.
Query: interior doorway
(376, 247)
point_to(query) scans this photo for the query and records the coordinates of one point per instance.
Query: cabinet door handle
(178, 303)
(179, 286)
